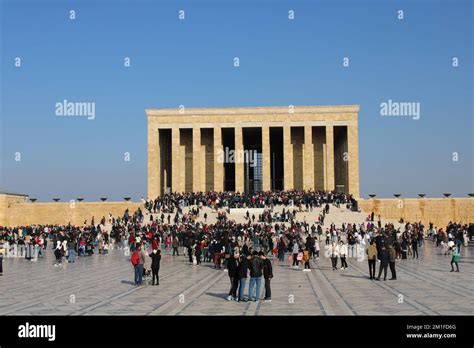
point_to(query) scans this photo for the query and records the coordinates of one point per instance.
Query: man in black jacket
(242, 269)
(378, 242)
(384, 258)
(267, 275)
(232, 265)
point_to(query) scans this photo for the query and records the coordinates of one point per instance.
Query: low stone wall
(439, 211)
(6, 201)
(18, 214)
(15, 210)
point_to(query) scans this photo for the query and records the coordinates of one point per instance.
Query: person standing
(392, 256)
(281, 249)
(310, 246)
(242, 269)
(155, 243)
(217, 255)
(40, 245)
(343, 254)
(232, 266)
(316, 248)
(256, 271)
(29, 247)
(305, 260)
(58, 253)
(267, 275)
(295, 253)
(64, 241)
(135, 260)
(2, 254)
(175, 246)
(197, 252)
(384, 257)
(71, 250)
(190, 250)
(404, 246)
(334, 252)
(455, 258)
(138, 260)
(458, 234)
(372, 257)
(414, 246)
(155, 265)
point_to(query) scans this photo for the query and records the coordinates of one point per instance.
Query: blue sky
(190, 62)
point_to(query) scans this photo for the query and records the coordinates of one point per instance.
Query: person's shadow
(127, 282)
(222, 296)
(355, 276)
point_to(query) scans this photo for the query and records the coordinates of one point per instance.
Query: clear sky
(190, 62)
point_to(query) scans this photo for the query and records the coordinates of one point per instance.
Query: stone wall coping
(416, 199)
(82, 202)
(252, 110)
(3, 193)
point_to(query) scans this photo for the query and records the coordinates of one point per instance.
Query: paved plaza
(103, 285)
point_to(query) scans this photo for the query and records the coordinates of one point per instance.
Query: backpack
(135, 258)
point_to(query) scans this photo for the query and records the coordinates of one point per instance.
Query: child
(300, 258)
(305, 260)
(455, 259)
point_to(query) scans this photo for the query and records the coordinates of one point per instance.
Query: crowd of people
(310, 199)
(176, 222)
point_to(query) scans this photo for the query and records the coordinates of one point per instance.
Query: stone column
(153, 162)
(239, 160)
(329, 157)
(218, 161)
(202, 160)
(266, 174)
(197, 160)
(287, 158)
(175, 161)
(308, 164)
(353, 152)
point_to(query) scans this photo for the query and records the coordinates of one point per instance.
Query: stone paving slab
(103, 285)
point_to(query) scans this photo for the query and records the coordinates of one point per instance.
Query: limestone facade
(307, 159)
